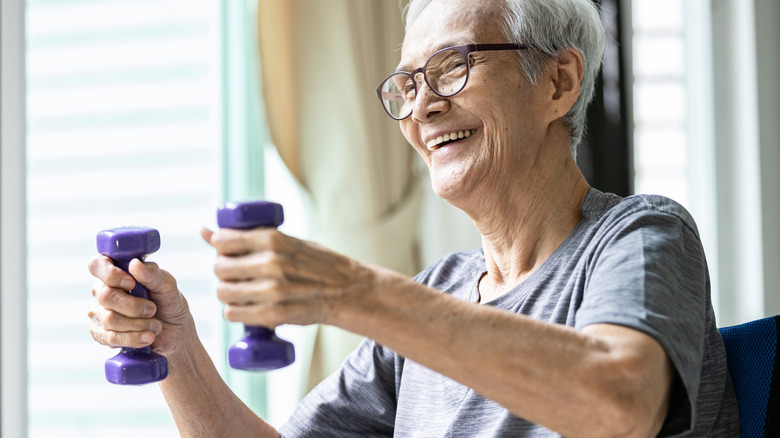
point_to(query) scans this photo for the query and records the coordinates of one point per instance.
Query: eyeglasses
(446, 73)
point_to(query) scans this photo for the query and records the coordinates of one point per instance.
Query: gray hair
(548, 26)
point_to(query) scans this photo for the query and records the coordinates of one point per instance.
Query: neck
(524, 219)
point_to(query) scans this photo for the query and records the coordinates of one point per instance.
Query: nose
(428, 104)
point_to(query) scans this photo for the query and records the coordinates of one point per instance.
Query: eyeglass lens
(445, 73)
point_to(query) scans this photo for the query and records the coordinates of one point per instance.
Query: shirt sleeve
(649, 273)
(358, 400)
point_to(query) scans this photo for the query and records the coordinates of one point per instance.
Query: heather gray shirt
(635, 262)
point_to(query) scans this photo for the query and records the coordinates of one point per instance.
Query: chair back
(751, 351)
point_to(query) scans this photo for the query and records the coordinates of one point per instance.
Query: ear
(566, 78)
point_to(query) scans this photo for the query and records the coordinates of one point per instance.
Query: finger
(120, 301)
(276, 303)
(271, 316)
(114, 321)
(103, 268)
(249, 292)
(253, 314)
(239, 242)
(121, 339)
(262, 265)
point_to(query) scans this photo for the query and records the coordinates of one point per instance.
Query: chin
(450, 186)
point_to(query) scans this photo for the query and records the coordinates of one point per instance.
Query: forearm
(201, 403)
(535, 369)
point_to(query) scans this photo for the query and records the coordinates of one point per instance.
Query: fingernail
(149, 309)
(155, 327)
(147, 338)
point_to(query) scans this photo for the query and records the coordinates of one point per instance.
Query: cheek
(509, 122)
(410, 133)
(497, 129)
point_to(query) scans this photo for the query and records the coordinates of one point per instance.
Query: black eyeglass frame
(464, 50)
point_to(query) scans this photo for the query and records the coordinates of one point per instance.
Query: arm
(201, 403)
(590, 375)
(608, 380)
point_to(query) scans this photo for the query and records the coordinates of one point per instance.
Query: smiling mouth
(446, 139)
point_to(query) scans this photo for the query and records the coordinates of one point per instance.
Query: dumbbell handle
(260, 349)
(139, 290)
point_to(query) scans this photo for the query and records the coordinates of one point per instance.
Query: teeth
(447, 137)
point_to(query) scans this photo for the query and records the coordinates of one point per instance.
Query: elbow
(632, 401)
(618, 421)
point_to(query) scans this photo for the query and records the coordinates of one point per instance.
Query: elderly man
(583, 314)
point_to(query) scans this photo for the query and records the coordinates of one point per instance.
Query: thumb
(149, 275)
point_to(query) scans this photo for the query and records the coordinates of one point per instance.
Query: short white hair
(547, 26)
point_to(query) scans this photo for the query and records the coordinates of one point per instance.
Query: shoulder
(658, 205)
(639, 210)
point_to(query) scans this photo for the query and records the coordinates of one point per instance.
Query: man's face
(497, 106)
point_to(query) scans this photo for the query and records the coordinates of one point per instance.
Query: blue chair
(751, 351)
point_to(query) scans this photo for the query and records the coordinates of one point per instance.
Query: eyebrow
(407, 68)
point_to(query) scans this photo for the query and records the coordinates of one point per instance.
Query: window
(660, 151)
(124, 128)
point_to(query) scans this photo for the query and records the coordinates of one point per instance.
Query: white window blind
(125, 128)
(660, 136)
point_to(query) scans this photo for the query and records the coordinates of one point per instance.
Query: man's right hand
(122, 320)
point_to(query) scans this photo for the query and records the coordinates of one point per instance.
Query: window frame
(13, 242)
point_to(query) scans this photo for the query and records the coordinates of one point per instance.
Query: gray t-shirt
(635, 262)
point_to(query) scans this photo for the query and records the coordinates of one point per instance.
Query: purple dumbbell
(260, 349)
(132, 366)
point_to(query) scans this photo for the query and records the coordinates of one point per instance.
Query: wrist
(368, 297)
(187, 342)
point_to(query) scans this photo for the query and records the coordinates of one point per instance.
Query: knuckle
(103, 294)
(228, 241)
(274, 264)
(93, 264)
(275, 285)
(111, 318)
(218, 239)
(276, 291)
(229, 312)
(221, 267)
(111, 339)
(273, 259)
(115, 299)
(225, 292)
(98, 335)
(93, 311)
(97, 284)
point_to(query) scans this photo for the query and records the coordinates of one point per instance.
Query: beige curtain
(320, 63)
